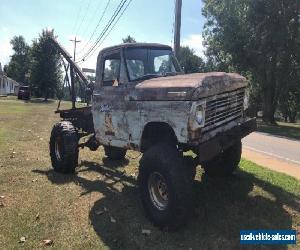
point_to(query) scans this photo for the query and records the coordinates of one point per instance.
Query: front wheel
(225, 163)
(64, 147)
(165, 187)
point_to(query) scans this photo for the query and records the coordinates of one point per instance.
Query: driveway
(275, 146)
(274, 152)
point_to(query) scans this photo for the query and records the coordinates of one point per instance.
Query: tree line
(38, 65)
(257, 38)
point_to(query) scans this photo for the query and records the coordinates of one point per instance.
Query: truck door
(109, 110)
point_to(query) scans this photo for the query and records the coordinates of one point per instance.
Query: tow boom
(74, 69)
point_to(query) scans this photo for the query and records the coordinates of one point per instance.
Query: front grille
(223, 108)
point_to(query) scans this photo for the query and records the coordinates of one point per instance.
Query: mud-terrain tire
(114, 153)
(64, 147)
(165, 187)
(225, 164)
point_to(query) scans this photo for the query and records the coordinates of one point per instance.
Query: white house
(8, 86)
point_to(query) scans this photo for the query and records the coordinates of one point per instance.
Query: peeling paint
(120, 113)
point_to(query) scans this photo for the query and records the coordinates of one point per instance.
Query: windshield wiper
(148, 76)
(172, 73)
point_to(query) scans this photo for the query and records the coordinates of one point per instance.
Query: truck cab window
(111, 73)
(162, 64)
(136, 68)
(146, 63)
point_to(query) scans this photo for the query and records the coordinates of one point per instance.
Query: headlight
(200, 115)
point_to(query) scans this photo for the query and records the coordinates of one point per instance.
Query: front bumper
(214, 146)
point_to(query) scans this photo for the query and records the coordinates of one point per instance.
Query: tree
(19, 63)
(289, 102)
(129, 39)
(190, 62)
(45, 71)
(257, 36)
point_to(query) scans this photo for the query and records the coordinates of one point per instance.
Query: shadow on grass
(108, 163)
(223, 208)
(39, 101)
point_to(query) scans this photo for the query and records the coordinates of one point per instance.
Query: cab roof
(136, 45)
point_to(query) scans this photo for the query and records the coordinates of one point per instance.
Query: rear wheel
(64, 147)
(114, 153)
(225, 163)
(165, 187)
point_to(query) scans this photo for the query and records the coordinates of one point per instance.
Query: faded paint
(195, 86)
(120, 113)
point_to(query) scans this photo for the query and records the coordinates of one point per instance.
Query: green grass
(2, 134)
(290, 130)
(12, 108)
(68, 205)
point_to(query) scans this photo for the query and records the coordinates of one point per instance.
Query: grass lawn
(75, 211)
(291, 130)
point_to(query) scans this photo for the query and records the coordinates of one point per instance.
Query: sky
(145, 20)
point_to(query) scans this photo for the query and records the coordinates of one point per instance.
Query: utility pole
(75, 44)
(177, 26)
(72, 73)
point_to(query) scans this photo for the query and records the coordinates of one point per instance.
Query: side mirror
(90, 88)
(89, 91)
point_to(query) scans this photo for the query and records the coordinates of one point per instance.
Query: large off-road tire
(114, 153)
(165, 187)
(64, 147)
(226, 163)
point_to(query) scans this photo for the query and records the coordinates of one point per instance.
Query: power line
(92, 35)
(84, 17)
(107, 27)
(92, 18)
(116, 12)
(114, 24)
(77, 16)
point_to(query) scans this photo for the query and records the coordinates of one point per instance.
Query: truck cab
(120, 107)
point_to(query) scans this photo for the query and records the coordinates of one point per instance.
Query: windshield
(143, 63)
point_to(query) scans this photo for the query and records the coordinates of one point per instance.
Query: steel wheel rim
(158, 191)
(57, 148)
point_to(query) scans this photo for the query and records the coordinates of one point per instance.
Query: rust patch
(109, 128)
(109, 133)
(190, 80)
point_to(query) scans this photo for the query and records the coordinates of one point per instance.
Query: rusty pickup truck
(142, 101)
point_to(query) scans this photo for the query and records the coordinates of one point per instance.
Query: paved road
(274, 146)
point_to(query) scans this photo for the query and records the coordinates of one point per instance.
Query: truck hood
(189, 86)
